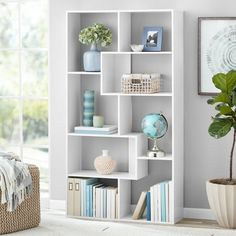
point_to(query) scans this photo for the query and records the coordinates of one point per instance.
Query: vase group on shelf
(91, 59)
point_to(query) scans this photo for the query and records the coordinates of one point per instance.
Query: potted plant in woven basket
(222, 192)
(95, 35)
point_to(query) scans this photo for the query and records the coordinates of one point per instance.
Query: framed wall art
(152, 38)
(216, 50)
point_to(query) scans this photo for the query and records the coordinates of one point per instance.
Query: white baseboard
(191, 213)
(58, 205)
(198, 213)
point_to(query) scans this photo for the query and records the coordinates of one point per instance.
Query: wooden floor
(198, 223)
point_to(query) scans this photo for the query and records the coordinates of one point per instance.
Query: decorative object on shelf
(152, 39)
(104, 164)
(221, 193)
(96, 34)
(155, 126)
(216, 50)
(105, 130)
(140, 83)
(98, 121)
(137, 47)
(88, 107)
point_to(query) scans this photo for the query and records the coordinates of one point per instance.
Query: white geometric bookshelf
(135, 171)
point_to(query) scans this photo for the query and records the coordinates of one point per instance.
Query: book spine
(148, 206)
(155, 189)
(163, 205)
(70, 196)
(152, 204)
(101, 200)
(77, 197)
(117, 206)
(158, 203)
(87, 200)
(105, 203)
(167, 201)
(94, 201)
(108, 203)
(91, 200)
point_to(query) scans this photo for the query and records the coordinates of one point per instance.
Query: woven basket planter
(140, 83)
(27, 215)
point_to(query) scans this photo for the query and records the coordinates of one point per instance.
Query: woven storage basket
(140, 83)
(27, 215)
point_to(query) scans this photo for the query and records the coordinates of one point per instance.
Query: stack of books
(88, 197)
(106, 129)
(157, 203)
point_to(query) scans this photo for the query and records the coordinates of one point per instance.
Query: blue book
(86, 182)
(163, 201)
(148, 206)
(87, 200)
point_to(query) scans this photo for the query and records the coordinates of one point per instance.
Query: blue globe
(154, 125)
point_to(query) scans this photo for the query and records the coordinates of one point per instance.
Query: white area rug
(56, 224)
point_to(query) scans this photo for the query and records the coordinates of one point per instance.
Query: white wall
(204, 157)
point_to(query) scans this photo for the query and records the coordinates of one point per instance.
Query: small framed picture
(216, 50)
(152, 39)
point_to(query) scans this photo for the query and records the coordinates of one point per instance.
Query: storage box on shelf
(135, 172)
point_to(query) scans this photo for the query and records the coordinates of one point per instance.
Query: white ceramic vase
(222, 200)
(104, 164)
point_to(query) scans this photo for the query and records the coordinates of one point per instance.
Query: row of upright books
(88, 197)
(157, 203)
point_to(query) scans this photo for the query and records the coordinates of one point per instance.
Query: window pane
(38, 156)
(35, 73)
(34, 25)
(9, 122)
(9, 36)
(9, 73)
(35, 122)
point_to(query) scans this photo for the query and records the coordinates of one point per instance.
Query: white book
(117, 206)
(108, 203)
(101, 198)
(159, 202)
(113, 203)
(105, 202)
(88, 128)
(155, 187)
(152, 203)
(94, 198)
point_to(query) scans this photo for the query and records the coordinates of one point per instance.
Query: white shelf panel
(167, 157)
(141, 53)
(83, 73)
(161, 94)
(94, 174)
(128, 135)
(128, 218)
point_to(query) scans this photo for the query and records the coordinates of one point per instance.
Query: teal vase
(88, 107)
(92, 59)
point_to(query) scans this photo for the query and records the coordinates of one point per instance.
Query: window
(24, 82)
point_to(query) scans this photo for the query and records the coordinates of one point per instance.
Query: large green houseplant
(94, 35)
(222, 192)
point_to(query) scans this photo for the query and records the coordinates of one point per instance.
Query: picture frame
(152, 39)
(216, 50)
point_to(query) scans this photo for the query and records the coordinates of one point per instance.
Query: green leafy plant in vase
(95, 35)
(222, 192)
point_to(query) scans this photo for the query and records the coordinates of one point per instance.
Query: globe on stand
(155, 126)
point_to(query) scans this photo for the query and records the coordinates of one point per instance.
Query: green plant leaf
(220, 127)
(218, 106)
(220, 82)
(210, 101)
(234, 98)
(226, 110)
(222, 97)
(231, 80)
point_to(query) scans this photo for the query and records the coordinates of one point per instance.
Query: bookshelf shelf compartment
(135, 171)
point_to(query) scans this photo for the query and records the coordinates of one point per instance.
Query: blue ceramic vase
(92, 59)
(88, 107)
